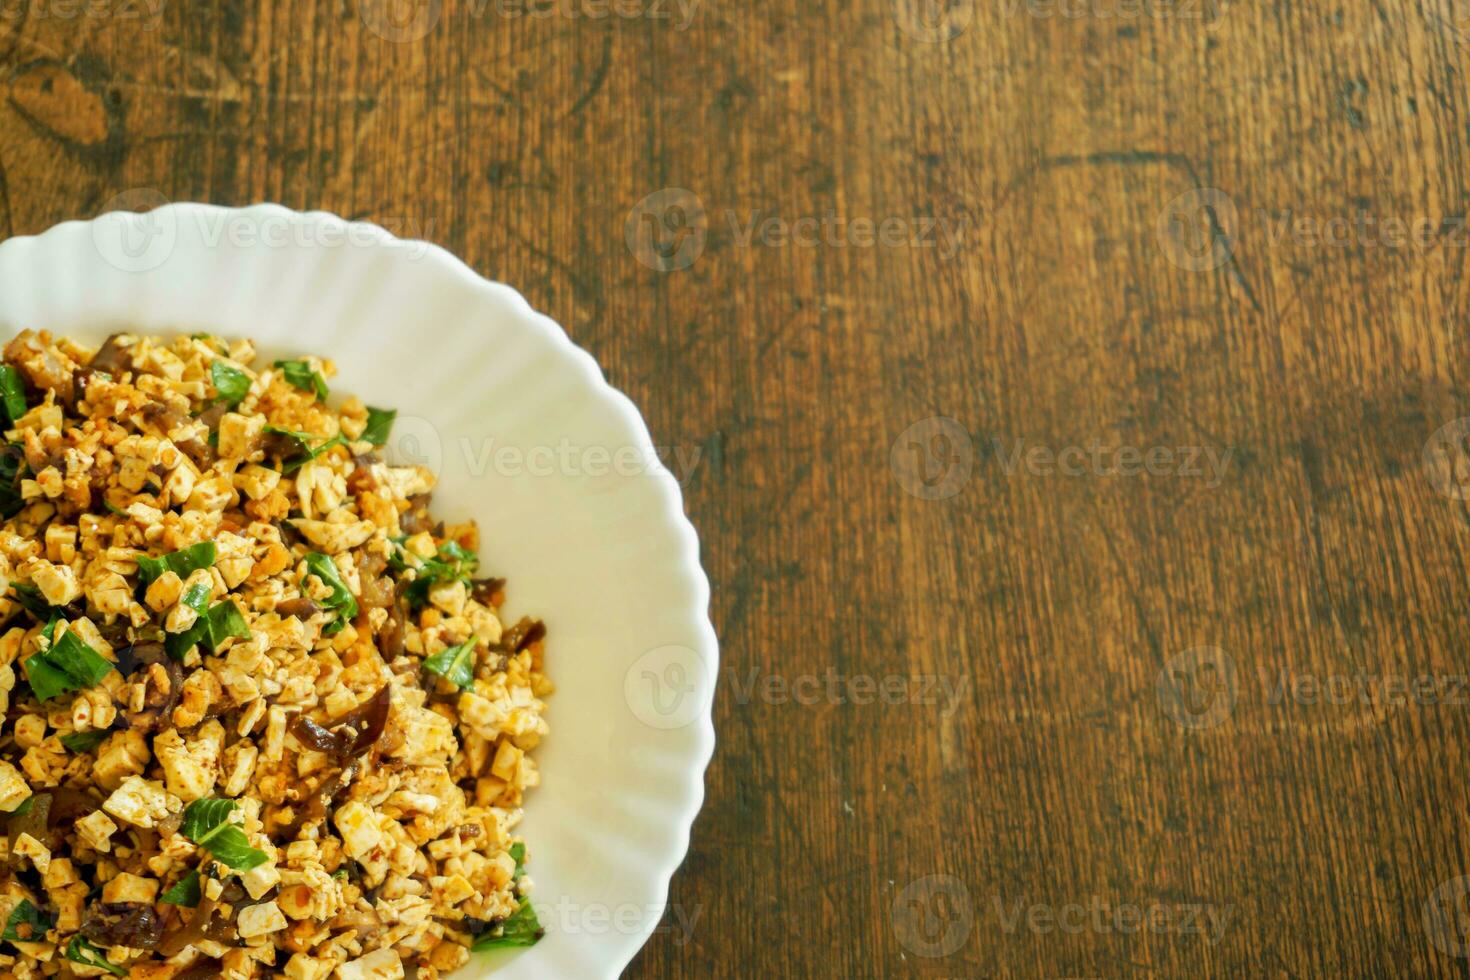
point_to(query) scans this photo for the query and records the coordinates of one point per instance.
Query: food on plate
(261, 716)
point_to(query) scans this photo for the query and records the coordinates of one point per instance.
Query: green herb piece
(12, 392)
(456, 664)
(304, 376)
(222, 621)
(29, 598)
(305, 451)
(25, 806)
(379, 424)
(81, 951)
(186, 891)
(27, 924)
(521, 929)
(196, 597)
(181, 563)
(341, 598)
(230, 382)
(69, 664)
(12, 468)
(207, 823)
(225, 622)
(452, 563)
(84, 741)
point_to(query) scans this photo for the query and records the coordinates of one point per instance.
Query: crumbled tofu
(259, 920)
(237, 433)
(359, 828)
(130, 888)
(141, 802)
(58, 583)
(159, 460)
(190, 769)
(28, 846)
(380, 964)
(13, 788)
(95, 829)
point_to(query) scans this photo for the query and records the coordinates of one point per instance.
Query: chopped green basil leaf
(456, 664)
(81, 951)
(341, 598)
(181, 563)
(304, 376)
(84, 741)
(379, 424)
(29, 598)
(303, 442)
(207, 823)
(196, 597)
(68, 665)
(225, 621)
(210, 630)
(27, 924)
(453, 562)
(230, 382)
(518, 855)
(12, 392)
(25, 806)
(521, 929)
(185, 892)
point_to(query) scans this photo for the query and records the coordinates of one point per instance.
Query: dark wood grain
(1085, 248)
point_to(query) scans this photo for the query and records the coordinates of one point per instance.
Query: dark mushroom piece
(130, 924)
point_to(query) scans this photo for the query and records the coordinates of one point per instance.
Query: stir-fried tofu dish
(261, 716)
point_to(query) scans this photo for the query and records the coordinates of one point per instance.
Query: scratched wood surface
(1084, 367)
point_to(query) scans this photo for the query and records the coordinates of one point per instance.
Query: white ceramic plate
(529, 439)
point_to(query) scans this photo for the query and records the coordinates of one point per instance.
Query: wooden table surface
(1067, 393)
